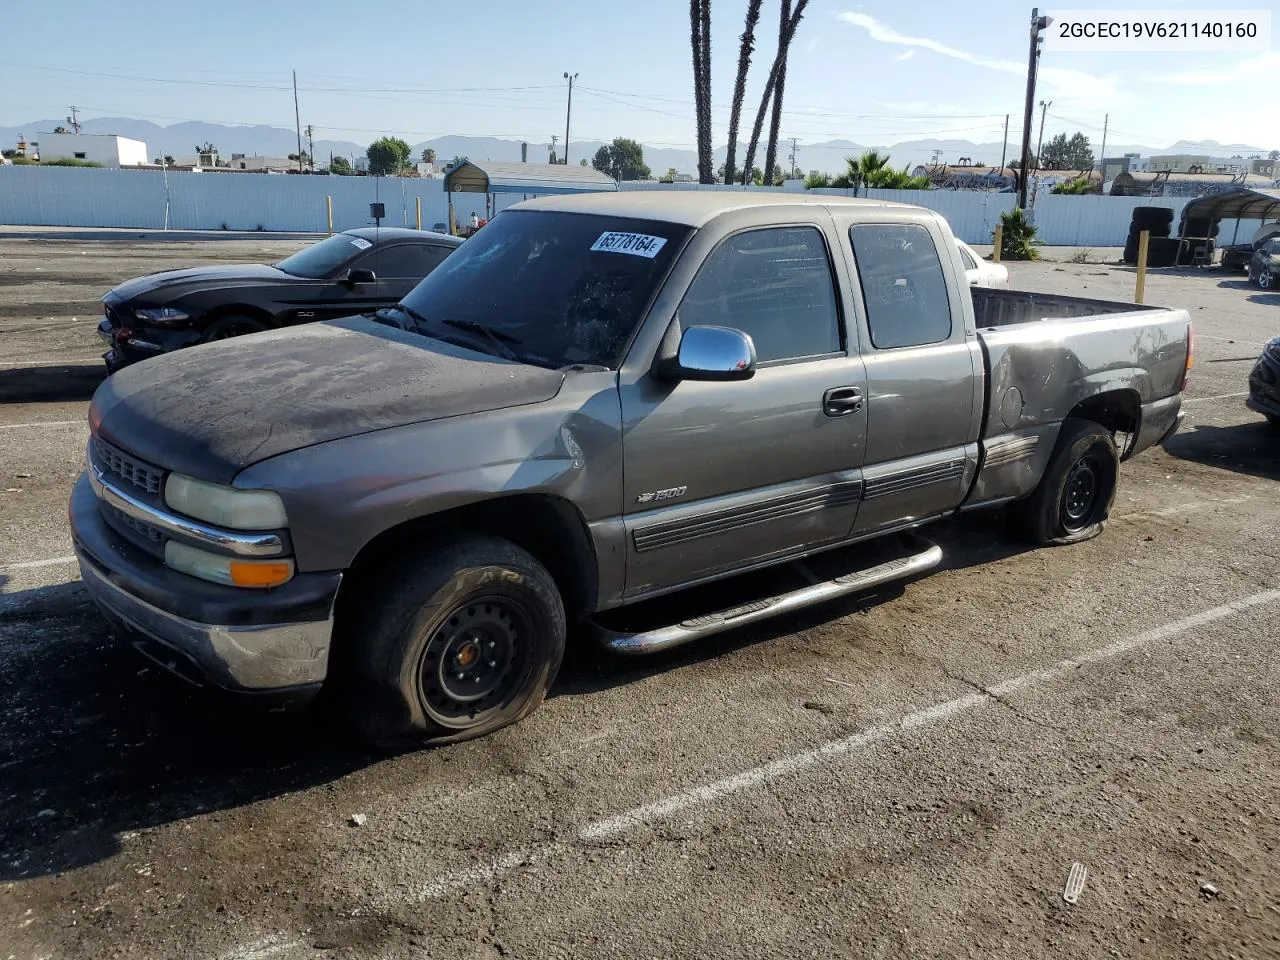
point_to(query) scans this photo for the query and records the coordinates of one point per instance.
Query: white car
(979, 272)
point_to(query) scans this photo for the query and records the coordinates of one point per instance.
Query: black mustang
(348, 273)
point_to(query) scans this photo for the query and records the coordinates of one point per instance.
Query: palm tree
(771, 151)
(740, 84)
(779, 61)
(428, 156)
(700, 41)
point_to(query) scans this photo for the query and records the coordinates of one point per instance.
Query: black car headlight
(162, 316)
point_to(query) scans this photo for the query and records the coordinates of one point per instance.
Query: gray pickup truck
(630, 417)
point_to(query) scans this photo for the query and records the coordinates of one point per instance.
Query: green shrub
(1018, 241)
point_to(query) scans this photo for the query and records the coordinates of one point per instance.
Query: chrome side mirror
(709, 353)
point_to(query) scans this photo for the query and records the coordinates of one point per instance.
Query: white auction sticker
(636, 244)
(1158, 31)
(361, 242)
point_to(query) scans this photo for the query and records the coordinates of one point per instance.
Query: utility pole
(1044, 108)
(793, 158)
(1102, 168)
(297, 121)
(74, 119)
(567, 110)
(1005, 149)
(311, 146)
(554, 138)
(1038, 25)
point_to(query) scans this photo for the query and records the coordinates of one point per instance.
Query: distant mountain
(180, 139)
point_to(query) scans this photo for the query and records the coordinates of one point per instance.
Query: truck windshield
(559, 288)
(318, 261)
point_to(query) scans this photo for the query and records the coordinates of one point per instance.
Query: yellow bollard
(1141, 285)
(999, 238)
(328, 210)
(418, 205)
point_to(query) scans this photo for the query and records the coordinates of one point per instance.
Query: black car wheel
(1265, 279)
(454, 645)
(1074, 496)
(224, 328)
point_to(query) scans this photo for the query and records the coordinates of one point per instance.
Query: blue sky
(875, 71)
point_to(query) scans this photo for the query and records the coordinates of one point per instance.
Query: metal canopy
(527, 178)
(1243, 203)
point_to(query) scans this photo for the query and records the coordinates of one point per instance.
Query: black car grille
(143, 534)
(135, 472)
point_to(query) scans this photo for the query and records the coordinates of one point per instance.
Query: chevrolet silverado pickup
(630, 417)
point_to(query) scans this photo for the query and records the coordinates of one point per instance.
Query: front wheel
(1265, 280)
(456, 644)
(1074, 497)
(225, 328)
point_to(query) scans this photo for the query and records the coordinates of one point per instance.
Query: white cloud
(1065, 83)
(1242, 71)
(906, 55)
(811, 45)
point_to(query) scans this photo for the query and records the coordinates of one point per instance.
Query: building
(1265, 167)
(1197, 163)
(1112, 167)
(106, 149)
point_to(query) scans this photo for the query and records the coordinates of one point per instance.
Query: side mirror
(708, 353)
(357, 276)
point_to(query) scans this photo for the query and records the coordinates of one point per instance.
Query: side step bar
(663, 638)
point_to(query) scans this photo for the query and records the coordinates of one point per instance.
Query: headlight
(164, 316)
(229, 570)
(225, 506)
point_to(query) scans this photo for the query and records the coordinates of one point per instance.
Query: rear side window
(775, 285)
(413, 260)
(969, 262)
(903, 284)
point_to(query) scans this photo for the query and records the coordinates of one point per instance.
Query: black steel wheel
(475, 661)
(461, 637)
(1074, 496)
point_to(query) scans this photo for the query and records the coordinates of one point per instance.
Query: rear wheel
(454, 645)
(224, 328)
(1074, 496)
(1266, 279)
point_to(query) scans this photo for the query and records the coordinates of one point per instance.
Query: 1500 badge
(668, 494)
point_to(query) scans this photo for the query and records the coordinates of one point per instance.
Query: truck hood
(210, 411)
(174, 282)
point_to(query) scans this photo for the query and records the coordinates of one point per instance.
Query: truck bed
(1001, 308)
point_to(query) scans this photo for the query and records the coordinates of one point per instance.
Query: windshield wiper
(498, 338)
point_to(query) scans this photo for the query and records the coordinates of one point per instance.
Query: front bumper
(1264, 386)
(140, 341)
(274, 641)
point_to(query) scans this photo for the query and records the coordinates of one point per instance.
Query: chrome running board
(663, 638)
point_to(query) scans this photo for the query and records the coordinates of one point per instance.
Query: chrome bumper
(240, 658)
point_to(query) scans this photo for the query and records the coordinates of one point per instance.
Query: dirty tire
(460, 642)
(1274, 421)
(234, 325)
(1075, 494)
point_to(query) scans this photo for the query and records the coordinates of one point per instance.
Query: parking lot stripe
(74, 362)
(612, 827)
(43, 423)
(33, 564)
(1221, 396)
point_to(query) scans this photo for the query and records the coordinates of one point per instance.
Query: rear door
(720, 475)
(924, 371)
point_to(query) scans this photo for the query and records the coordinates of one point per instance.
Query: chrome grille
(120, 464)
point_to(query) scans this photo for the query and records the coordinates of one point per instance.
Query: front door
(721, 475)
(401, 267)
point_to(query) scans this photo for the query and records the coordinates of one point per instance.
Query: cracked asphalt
(910, 773)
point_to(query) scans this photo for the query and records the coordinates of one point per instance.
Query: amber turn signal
(250, 573)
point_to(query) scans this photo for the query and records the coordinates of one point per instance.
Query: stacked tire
(1157, 221)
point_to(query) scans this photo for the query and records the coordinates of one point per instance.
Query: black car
(353, 272)
(1264, 384)
(1264, 268)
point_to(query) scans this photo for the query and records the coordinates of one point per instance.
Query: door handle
(842, 401)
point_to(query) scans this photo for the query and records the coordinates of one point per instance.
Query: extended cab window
(903, 285)
(775, 285)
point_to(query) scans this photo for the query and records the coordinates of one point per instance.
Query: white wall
(56, 196)
(110, 151)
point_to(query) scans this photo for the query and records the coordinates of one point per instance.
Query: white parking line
(44, 423)
(667, 807)
(75, 362)
(34, 564)
(1221, 396)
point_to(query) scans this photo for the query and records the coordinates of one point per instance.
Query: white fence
(76, 197)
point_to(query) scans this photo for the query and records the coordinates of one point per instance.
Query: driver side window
(773, 284)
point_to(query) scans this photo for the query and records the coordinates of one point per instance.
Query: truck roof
(694, 208)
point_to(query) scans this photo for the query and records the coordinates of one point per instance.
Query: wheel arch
(1120, 411)
(237, 309)
(548, 527)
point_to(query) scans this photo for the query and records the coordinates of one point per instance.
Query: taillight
(1191, 356)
